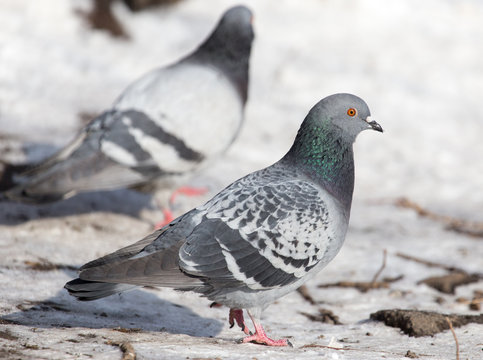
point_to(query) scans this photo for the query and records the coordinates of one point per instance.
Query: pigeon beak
(374, 125)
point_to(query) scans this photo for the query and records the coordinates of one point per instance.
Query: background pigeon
(161, 127)
(261, 237)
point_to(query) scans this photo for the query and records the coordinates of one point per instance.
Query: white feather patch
(118, 153)
(163, 154)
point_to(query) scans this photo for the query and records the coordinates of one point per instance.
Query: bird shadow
(133, 311)
(124, 202)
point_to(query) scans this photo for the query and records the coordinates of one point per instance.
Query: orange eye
(352, 112)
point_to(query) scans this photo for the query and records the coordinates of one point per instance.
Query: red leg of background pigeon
(168, 217)
(187, 191)
(260, 337)
(183, 190)
(237, 315)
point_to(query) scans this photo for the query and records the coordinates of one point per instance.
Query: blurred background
(418, 67)
(417, 64)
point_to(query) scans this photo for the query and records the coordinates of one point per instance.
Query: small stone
(411, 355)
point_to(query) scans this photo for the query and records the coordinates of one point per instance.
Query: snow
(418, 66)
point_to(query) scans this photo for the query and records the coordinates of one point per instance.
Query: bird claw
(260, 337)
(264, 340)
(237, 315)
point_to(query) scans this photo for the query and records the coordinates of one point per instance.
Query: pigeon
(164, 126)
(261, 237)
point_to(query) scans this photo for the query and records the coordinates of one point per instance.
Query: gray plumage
(160, 127)
(262, 236)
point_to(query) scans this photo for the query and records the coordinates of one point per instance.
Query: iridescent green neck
(324, 156)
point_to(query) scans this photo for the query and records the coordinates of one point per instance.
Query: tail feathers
(22, 194)
(160, 268)
(86, 290)
(64, 175)
(8, 173)
(44, 181)
(126, 252)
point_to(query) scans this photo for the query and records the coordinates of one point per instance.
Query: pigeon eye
(352, 112)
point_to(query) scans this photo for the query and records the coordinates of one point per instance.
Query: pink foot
(183, 190)
(168, 217)
(187, 191)
(261, 338)
(237, 315)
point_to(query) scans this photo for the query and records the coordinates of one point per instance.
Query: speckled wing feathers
(268, 233)
(264, 231)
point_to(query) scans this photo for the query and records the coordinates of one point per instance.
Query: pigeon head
(229, 46)
(345, 114)
(332, 125)
(323, 146)
(231, 40)
(234, 31)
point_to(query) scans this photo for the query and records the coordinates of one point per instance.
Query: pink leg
(260, 337)
(168, 217)
(183, 190)
(187, 191)
(237, 315)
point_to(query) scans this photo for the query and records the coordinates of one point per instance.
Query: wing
(133, 139)
(261, 235)
(196, 106)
